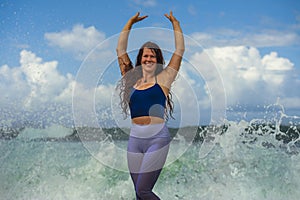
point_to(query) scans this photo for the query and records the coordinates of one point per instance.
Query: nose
(148, 58)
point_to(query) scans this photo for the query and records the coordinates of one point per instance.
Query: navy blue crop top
(148, 102)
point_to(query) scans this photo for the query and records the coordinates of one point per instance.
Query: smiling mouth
(149, 64)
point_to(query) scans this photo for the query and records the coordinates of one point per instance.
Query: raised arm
(123, 58)
(175, 62)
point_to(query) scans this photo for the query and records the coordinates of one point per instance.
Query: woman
(145, 91)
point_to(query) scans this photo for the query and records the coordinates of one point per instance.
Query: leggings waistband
(149, 131)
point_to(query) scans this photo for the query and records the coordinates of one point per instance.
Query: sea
(238, 160)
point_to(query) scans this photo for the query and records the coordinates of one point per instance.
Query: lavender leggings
(147, 151)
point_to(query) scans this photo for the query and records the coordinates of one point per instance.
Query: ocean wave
(249, 133)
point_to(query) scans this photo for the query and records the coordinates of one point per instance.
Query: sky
(241, 62)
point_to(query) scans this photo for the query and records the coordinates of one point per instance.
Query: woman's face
(148, 60)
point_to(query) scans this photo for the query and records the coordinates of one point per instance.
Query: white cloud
(36, 83)
(13, 87)
(43, 79)
(145, 3)
(273, 62)
(248, 78)
(229, 37)
(79, 41)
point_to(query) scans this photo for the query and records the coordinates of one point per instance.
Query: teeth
(149, 64)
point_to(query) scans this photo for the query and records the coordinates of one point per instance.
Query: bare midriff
(145, 120)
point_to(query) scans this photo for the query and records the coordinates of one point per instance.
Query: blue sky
(253, 44)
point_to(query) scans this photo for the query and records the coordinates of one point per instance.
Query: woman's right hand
(136, 18)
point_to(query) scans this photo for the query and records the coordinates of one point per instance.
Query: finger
(143, 17)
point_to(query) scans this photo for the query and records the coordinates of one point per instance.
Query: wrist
(128, 26)
(131, 21)
(175, 23)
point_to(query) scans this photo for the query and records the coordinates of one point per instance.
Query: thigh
(134, 154)
(155, 156)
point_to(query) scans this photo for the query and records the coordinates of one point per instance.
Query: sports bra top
(148, 102)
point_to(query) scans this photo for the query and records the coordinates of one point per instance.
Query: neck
(147, 77)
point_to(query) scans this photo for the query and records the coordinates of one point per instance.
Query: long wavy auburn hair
(131, 77)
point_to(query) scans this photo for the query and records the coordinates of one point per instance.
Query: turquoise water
(237, 167)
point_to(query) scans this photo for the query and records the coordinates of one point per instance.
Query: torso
(145, 120)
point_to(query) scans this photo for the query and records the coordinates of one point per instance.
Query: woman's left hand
(171, 17)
